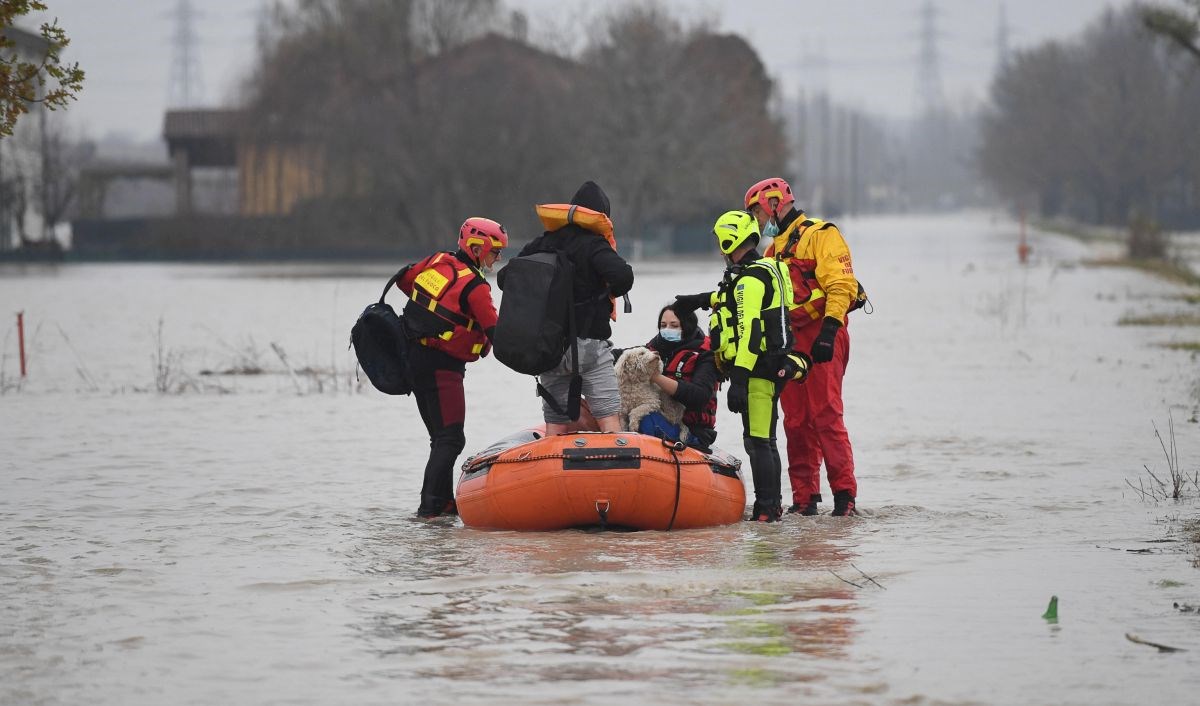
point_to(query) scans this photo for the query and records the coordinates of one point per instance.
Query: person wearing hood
(752, 343)
(689, 377)
(599, 275)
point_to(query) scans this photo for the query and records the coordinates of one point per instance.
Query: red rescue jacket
(682, 366)
(439, 285)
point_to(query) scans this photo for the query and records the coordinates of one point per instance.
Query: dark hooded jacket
(599, 270)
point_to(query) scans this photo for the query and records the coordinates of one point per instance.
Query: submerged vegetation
(172, 375)
(1173, 319)
(1164, 269)
(1188, 346)
(1177, 483)
(1191, 534)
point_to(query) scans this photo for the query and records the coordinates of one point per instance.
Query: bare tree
(13, 203)
(1100, 128)
(329, 84)
(1024, 150)
(62, 158)
(1180, 25)
(419, 113)
(680, 116)
(440, 25)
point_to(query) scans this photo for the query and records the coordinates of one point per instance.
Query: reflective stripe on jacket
(439, 286)
(682, 366)
(820, 270)
(749, 323)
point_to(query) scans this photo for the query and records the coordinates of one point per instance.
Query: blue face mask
(771, 230)
(671, 335)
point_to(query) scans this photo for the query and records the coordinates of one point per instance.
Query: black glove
(692, 302)
(795, 366)
(822, 350)
(738, 398)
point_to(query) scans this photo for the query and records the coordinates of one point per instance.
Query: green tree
(46, 80)
(1182, 26)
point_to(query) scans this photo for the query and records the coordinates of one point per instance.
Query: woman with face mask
(689, 376)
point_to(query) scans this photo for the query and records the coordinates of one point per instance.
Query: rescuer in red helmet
(824, 291)
(451, 314)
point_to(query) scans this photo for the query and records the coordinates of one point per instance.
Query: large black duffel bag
(381, 340)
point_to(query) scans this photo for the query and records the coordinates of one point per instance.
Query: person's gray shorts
(599, 381)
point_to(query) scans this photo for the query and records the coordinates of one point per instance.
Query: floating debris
(1161, 648)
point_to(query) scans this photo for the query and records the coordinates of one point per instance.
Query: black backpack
(381, 338)
(537, 320)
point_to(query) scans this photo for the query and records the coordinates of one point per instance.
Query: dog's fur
(640, 396)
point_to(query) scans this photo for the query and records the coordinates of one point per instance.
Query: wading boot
(766, 512)
(843, 504)
(435, 507)
(808, 510)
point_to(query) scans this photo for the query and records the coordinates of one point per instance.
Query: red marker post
(1023, 247)
(21, 339)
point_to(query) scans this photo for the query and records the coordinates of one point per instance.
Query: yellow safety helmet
(734, 229)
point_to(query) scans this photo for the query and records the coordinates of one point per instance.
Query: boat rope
(673, 447)
(603, 513)
(597, 457)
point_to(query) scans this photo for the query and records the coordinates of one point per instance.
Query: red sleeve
(407, 275)
(482, 308)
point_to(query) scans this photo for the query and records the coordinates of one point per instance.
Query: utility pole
(930, 98)
(186, 87)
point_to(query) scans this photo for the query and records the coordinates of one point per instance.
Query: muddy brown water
(239, 542)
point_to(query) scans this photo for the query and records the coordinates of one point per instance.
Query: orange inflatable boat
(531, 482)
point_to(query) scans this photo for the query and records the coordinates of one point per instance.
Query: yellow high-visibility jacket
(748, 326)
(820, 268)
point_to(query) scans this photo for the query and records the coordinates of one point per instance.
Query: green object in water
(1051, 610)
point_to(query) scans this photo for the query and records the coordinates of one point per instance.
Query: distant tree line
(419, 113)
(1102, 129)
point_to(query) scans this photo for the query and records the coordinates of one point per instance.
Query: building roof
(208, 137)
(192, 124)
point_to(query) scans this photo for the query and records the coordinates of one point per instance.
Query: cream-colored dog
(636, 369)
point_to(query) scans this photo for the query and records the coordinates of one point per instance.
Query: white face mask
(671, 335)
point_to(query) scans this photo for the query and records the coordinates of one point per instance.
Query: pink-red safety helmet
(767, 189)
(485, 233)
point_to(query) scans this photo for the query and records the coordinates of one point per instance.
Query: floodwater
(250, 539)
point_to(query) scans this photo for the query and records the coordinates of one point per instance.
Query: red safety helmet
(485, 233)
(767, 189)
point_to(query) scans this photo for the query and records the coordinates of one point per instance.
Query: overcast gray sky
(863, 51)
